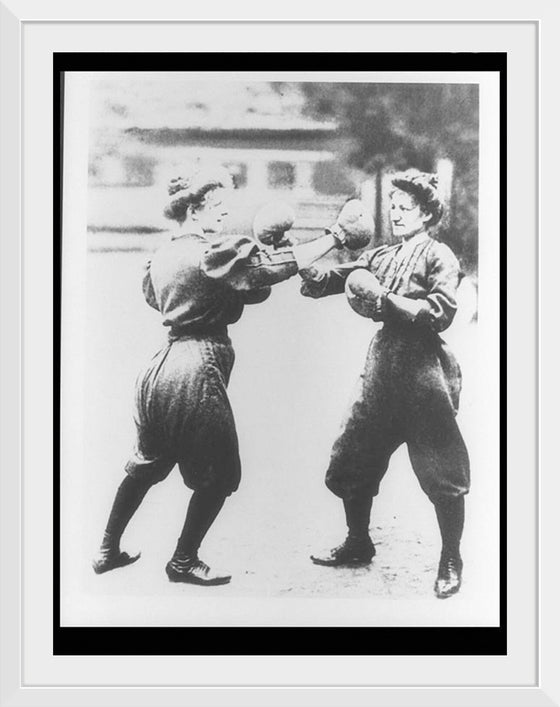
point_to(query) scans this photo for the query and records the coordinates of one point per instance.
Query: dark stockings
(129, 496)
(358, 511)
(451, 519)
(203, 509)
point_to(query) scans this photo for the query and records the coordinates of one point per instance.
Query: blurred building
(144, 132)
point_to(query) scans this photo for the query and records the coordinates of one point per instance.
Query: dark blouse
(202, 285)
(423, 269)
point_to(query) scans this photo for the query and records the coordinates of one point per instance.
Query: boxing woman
(200, 283)
(409, 389)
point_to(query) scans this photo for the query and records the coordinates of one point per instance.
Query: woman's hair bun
(423, 186)
(177, 184)
(191, 190)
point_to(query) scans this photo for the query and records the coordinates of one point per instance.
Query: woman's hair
(190, 191)
(424, 188)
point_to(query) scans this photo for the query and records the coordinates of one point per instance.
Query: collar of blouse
(414, 241)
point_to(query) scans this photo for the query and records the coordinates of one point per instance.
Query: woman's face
(407, 218)
(211, 214)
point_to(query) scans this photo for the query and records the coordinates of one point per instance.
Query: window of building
(281, 175)
(330, 178)
(138, 170)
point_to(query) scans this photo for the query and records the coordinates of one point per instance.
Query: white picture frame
(27, 393)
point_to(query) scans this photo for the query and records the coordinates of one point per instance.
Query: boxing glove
(366, 295)
(354, 227)
(271, 223)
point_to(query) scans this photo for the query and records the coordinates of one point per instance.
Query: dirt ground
(296, 362)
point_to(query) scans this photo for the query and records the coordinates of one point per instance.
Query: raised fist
(271, 223)
(354, 227)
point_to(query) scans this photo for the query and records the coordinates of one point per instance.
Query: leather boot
(109, 557)
(449, 577)
(353, 551)
(451, 518)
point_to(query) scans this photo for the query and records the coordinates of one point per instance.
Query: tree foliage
(395, 126)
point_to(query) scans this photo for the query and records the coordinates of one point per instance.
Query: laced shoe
(191, 570)
(449, 577)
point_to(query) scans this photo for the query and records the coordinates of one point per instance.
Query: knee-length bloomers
(409, 389)
(182, 413)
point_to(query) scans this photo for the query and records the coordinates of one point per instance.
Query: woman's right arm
(321, 282)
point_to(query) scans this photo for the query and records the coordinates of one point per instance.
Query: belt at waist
(198, 332)
(408, 329)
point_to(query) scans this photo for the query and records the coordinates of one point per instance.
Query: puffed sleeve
(444, 276)
(244, 264)
(320, 282)
(148, 287)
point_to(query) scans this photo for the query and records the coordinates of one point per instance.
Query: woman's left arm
(437, 310)
(246, 265)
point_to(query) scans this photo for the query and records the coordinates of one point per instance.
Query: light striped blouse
(421, 268)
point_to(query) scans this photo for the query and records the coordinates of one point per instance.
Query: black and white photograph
(278, 355)
(280, 349)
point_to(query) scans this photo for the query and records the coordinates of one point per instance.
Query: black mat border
(274, 640)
